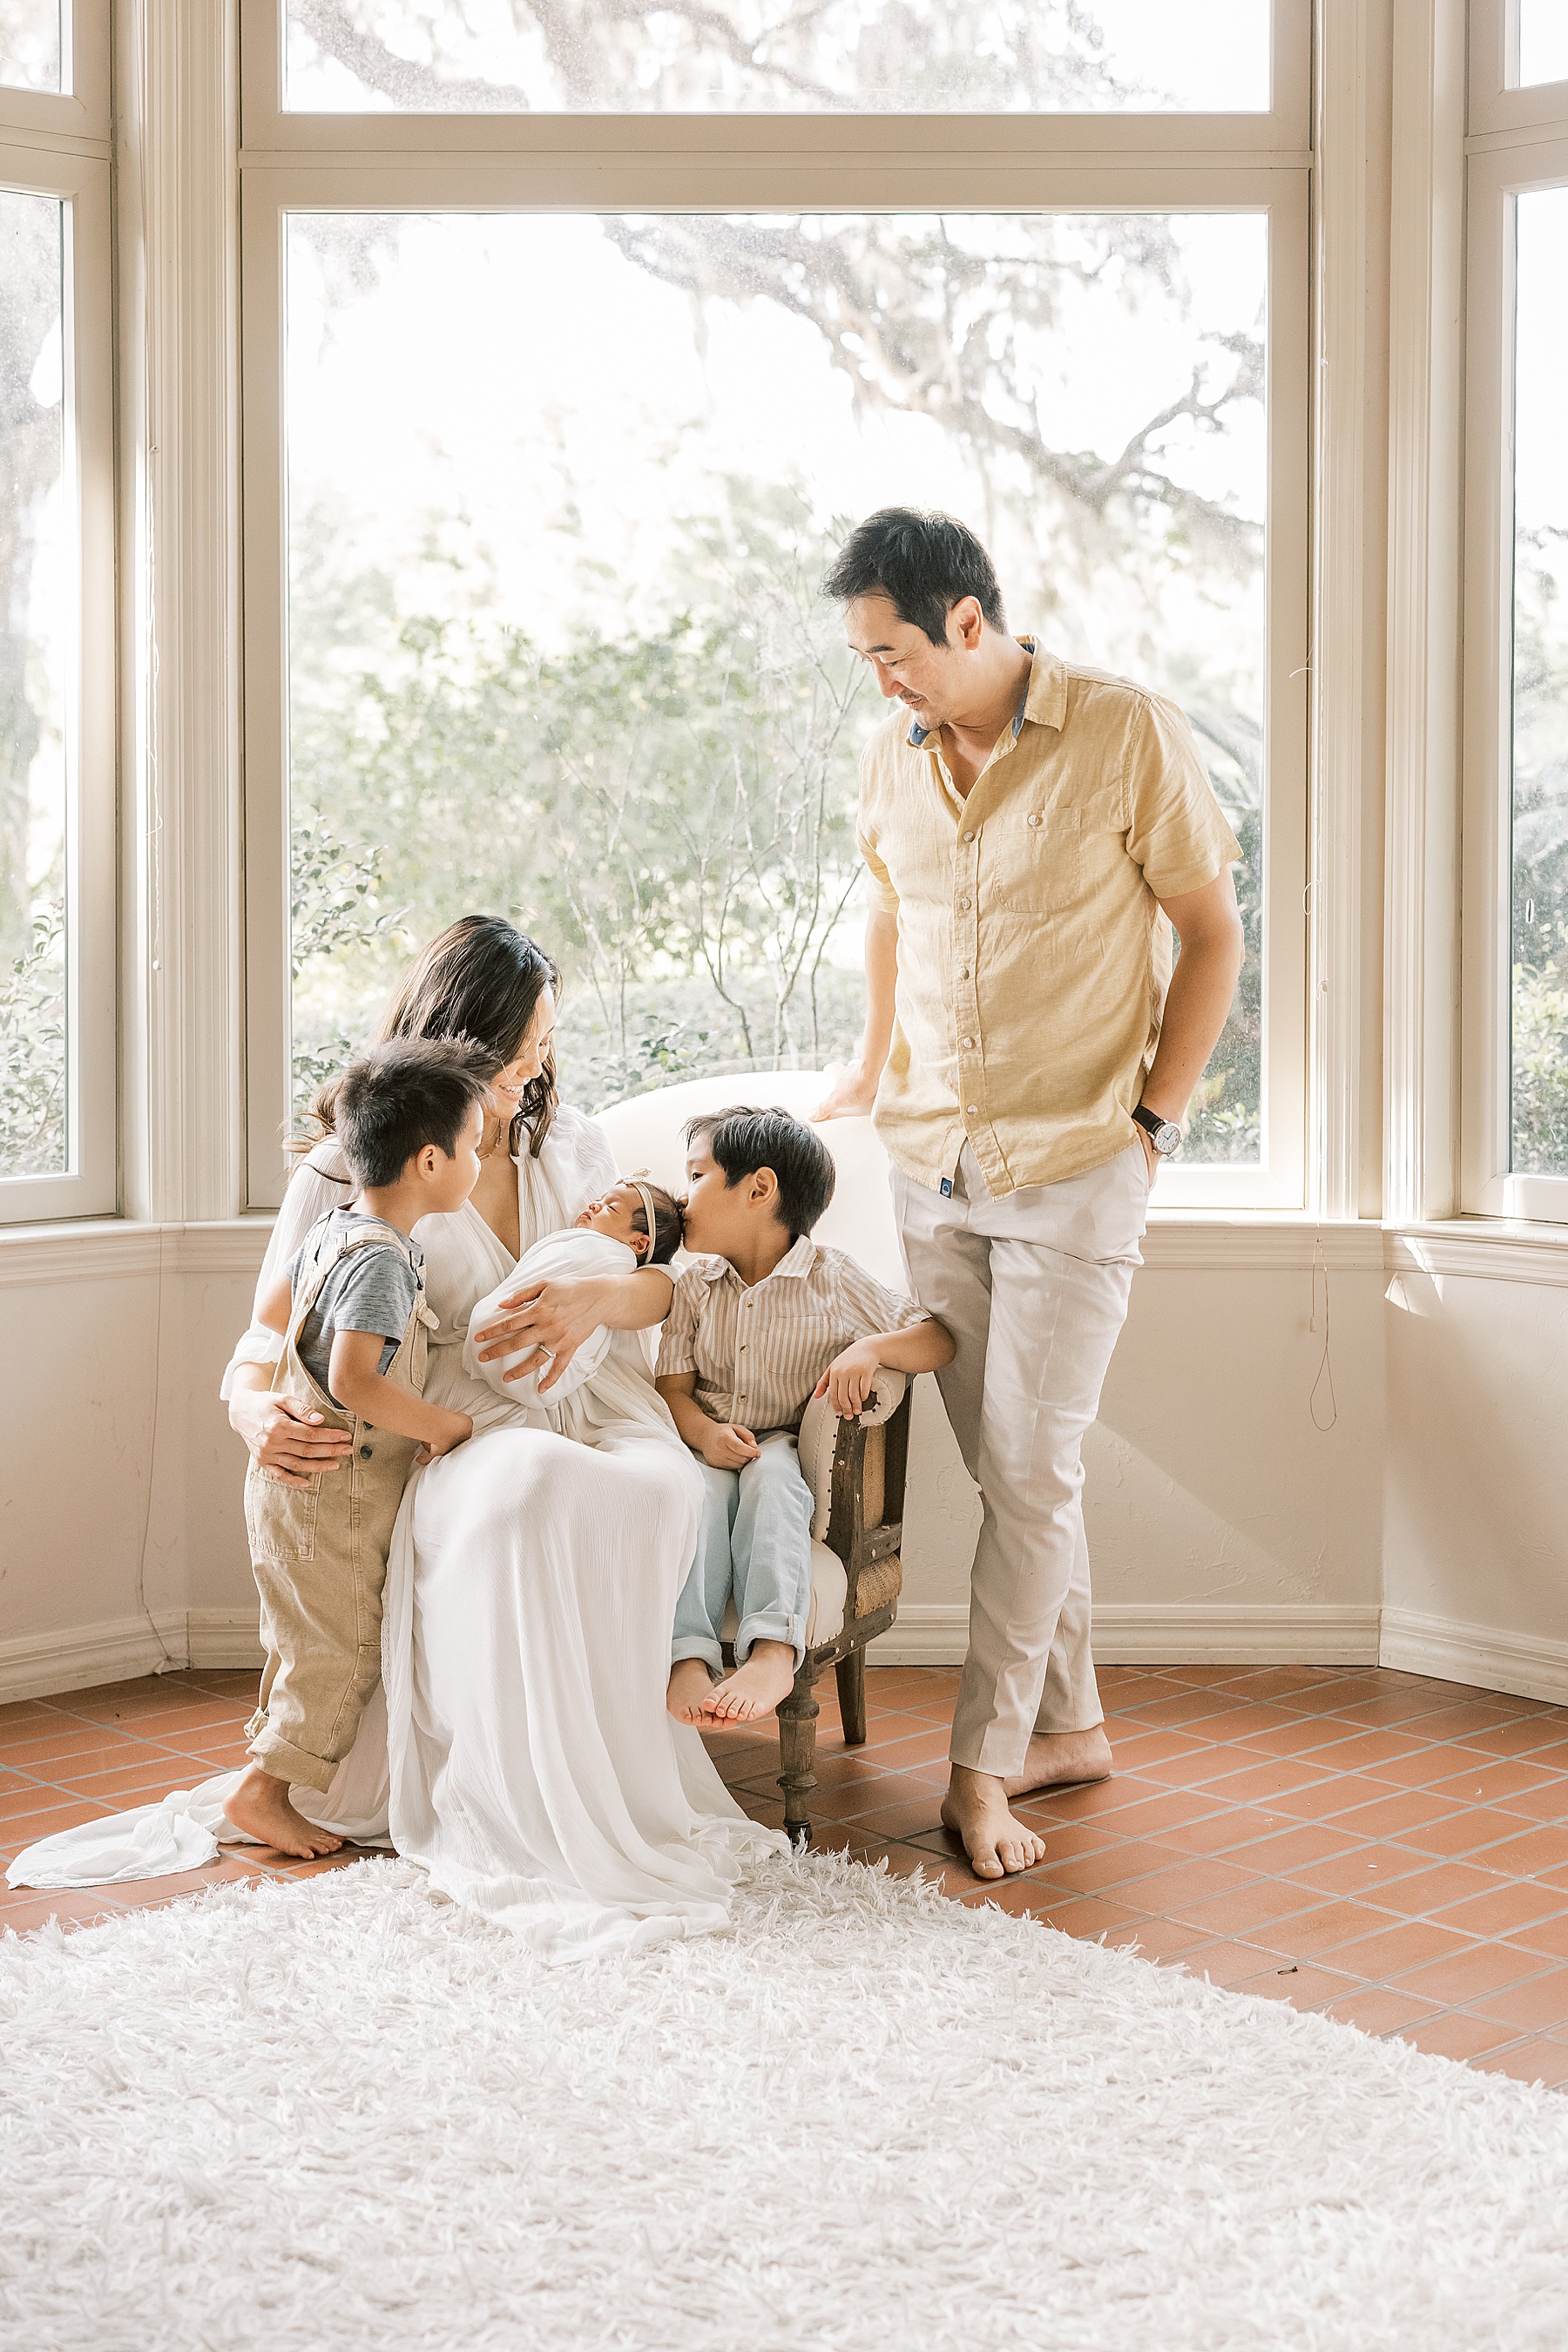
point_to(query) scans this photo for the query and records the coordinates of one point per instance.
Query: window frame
(58, 148)
(80, 111)
(1498, 104)
(819, 163)
(1499, 171)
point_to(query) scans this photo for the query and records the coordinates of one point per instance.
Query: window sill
(102, 1249)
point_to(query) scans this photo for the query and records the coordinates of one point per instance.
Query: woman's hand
(287, 1438)
(554, 1315)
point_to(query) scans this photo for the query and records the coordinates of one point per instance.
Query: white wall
(1476, 1506)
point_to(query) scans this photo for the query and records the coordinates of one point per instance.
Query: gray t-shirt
(373, 1289)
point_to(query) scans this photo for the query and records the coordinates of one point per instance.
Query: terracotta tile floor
(1389, 1850)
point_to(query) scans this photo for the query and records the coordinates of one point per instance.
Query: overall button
(365, 1452)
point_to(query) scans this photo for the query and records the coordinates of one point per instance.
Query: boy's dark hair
(923, 564)
(743, 1139)
(397, 1097)
(669, 1222)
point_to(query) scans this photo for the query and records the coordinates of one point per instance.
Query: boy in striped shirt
(768, 1320)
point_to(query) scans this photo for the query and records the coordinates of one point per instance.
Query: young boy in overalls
(351, 1308)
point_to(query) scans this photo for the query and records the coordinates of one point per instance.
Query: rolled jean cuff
(286, 1762)
(692, 1645)
(771, 1628)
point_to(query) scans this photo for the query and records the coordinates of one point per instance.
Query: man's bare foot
(689, 1685)
(756, 1688)
(976, 1808)
(260, 1806)
(1062, 1759)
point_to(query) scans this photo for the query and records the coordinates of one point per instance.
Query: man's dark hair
(742, 1140)
(397, 1097)
(669, 1222)
(923, 564)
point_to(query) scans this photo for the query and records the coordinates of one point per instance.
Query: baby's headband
(646, 1199)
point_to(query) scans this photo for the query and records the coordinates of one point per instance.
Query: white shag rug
(336, 2115)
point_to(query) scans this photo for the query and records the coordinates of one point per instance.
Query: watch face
(1166, 1135)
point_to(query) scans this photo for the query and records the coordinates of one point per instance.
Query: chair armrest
(819, 1431)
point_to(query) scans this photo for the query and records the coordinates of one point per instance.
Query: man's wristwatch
(1163, 1133)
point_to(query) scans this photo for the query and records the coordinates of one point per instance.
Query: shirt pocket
(1034, 859)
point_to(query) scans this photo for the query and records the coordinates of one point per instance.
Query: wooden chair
(855, 1471)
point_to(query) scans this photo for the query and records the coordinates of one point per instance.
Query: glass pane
(558, 650)
(897, 57)
(36, 611)
(1542, 41)
(1541, 692)
(30, 44)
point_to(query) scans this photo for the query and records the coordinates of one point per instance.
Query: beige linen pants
(1034, 1289)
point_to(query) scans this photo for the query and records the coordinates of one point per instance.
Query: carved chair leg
(798, 1752)
(850, 1675)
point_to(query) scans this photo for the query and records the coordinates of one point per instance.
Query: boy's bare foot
(687, 1695)
(260, 1806)
(756, 1688)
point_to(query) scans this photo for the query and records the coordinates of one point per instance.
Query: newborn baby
(634, 1216)
(650, 1220)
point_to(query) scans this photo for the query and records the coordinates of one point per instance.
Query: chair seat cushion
(830, 1591)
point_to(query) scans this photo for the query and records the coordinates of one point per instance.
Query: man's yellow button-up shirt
(1033, 957)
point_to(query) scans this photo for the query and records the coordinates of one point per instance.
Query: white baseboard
(1530, 1664)
(39, 1666)
(224, 1637)
(1292, 1635)
(119, 1649)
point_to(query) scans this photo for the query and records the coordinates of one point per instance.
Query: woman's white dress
(525, 1757)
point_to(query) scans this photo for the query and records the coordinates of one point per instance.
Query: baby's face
(613, 1215)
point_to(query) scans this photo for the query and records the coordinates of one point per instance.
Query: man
(1029, 826)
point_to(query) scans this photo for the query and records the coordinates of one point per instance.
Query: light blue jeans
(754, 1541)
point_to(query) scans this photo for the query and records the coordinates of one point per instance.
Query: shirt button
(971, 1110)
(963, 903)
(968, 1043)
(1034, 820)
(963, 972)
(969, 837)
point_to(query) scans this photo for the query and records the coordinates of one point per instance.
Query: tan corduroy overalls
(319, 1550)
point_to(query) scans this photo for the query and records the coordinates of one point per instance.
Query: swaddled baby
(635, 1223)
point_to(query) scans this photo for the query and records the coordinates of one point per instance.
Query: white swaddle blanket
(608, 1380)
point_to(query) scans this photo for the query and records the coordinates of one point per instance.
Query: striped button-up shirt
(759, 1349)
(1033, 955)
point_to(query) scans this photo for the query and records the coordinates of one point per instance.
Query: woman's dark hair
(669, 1222)
(923, 564)
(480, 980)
(742, 1140)
(397, 1097)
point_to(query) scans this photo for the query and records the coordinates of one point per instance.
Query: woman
(527, 1759)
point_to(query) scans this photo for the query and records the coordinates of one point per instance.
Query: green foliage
(32, 1141)
(1539, 925)
(671, 813)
